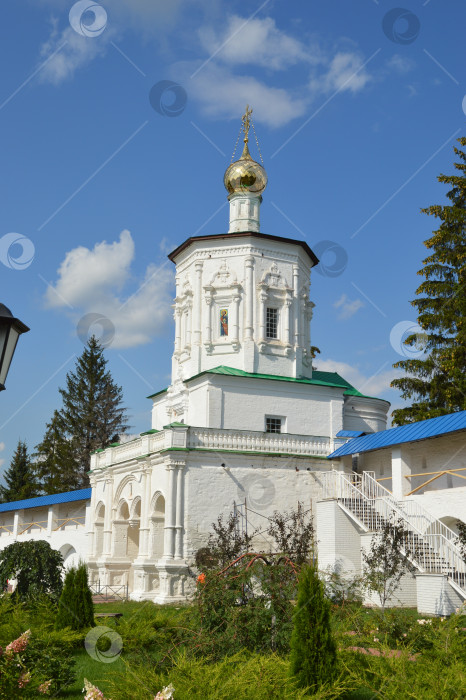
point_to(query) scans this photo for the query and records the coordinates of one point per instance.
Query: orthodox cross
(247, 123)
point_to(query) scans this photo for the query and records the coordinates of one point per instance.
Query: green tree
(388, 560)
(92, 417)
(56, 465)
(436, 382)
(461, 539)
(20, 481)
(313, 658)
(36, 567)
(75, 608)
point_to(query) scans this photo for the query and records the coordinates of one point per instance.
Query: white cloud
(255, 42)
(66, 51)
(347, 307)
(372, 385)
(222, 94)
(91, 281)
(344, 72)
(401, 64)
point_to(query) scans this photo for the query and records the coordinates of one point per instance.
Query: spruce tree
(313, 649)
(92, 417)
(56, 466)
(75, 608)
(19, 478)
(436, 383)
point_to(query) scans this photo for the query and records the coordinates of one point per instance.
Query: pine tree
(92, 417)
(56, 466)
(75, 608)
(19, 478)
(437, 382)
(313, 650)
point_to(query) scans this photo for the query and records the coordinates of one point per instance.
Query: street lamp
(10, 330)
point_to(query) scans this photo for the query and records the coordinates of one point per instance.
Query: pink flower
(44, 687)
(18, 645)
(24, 679)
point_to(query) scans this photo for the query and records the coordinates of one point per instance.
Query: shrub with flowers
(93, 693)
(14, 673)
(33, 667)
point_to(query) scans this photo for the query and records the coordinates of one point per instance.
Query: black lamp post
(10, 330)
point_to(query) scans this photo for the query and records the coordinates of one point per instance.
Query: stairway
(430, 543)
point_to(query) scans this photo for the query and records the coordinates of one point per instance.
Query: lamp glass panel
(9, 350)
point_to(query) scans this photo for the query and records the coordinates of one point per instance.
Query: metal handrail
(366, 499)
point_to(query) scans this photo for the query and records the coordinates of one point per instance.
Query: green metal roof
(330, 379)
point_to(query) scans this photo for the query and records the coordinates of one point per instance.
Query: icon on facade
(223, 322)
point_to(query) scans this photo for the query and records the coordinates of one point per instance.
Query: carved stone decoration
(274, 278)
(224, 277)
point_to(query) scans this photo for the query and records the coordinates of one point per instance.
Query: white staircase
(371, 506)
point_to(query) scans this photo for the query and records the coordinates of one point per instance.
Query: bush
(239, 677)
(75, 608)
(36, 567)
(248, 606)
(313, 649)
(32, 667)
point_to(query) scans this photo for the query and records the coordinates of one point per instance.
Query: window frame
(281, 420)
(276, 322)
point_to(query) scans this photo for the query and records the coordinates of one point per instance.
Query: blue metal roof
(350, 433)
(432, 427)
(81, 495)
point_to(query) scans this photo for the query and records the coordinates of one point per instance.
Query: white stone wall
(221, 401)
(338, 538)
(448, 505)
(404, 596)
(266, 484)
(64, 526)
(244, 276)
(435, 595)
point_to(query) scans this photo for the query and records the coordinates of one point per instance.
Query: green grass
(158, 650)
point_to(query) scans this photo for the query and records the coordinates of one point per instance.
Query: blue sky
(356, 105)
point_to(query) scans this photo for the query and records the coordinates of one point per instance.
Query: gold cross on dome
(247, 122)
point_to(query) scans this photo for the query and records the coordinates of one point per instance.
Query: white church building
(248, 423)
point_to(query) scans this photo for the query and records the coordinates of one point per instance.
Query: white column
(15, 524)
(188, 322)
(170, 515)
(262, 312)
(143, 524)
(249, 328)
(400, 469)
(179, 513)
(198, 303)
(288, 331)
(235, 319)
(208, 327)
(107, 549)
(90, 519)
(177, 330)
(297, 315)
(50, 514)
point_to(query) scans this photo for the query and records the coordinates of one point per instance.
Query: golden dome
(245, 174)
